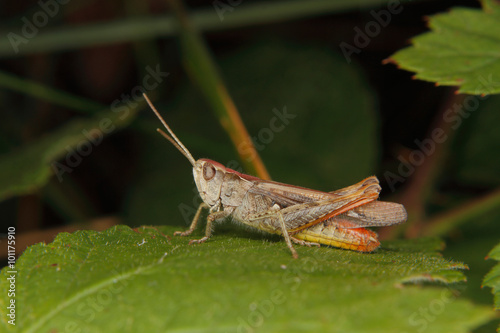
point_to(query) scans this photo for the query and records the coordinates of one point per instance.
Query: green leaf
(478, 237)
(47, 93)
(492, 279)
(462, 49)
(326, 136)
(122, 280)
(477, 163)
(29, 168)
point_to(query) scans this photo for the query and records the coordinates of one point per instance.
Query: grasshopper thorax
(209, 177)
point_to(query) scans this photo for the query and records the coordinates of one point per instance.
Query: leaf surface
(492, 279)
(122, 280)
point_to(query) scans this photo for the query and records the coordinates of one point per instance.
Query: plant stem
(443, 223)
(424, 179)
(43, 92)
(204, 72)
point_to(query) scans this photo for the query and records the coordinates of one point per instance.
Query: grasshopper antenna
(174, 139)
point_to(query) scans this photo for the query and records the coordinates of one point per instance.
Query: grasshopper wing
(377, 214)
(287, 195)
(302, 208)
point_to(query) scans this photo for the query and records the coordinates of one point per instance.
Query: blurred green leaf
(492, 279)
(313, 117)
(462, 49)
(473, 165)
(28, 168)
(214, 17)
(44, 92)
(122, 280)
(477, 162)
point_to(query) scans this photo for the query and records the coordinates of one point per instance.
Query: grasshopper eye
(208, 171)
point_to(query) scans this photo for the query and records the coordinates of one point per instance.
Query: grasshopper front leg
(208, 230)
(194, 222)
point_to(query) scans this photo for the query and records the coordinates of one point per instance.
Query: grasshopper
(303, 216)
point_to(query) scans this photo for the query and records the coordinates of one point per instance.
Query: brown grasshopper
(303, 216)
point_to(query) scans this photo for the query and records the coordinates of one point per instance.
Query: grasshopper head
(209, 176)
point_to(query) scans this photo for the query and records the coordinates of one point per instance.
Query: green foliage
(126, 280)
(330, 103)
(44, 92)
(492, 279)
(462, 49)
(476, 164)
(29, 168)
(472, 242)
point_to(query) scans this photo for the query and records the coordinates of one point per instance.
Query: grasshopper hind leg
(304, 243)
(286, 235)
(288, 238)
